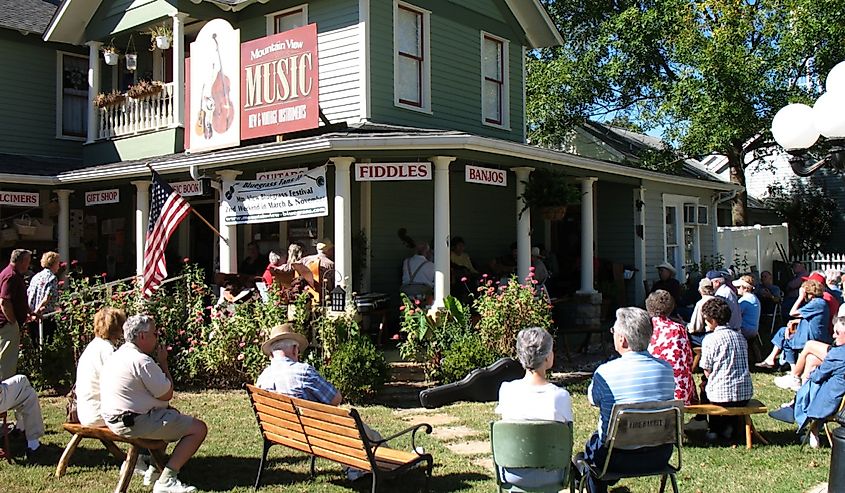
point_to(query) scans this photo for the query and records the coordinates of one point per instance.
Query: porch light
(338, 299)
(797, 127)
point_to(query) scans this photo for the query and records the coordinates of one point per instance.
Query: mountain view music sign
(280, 83)
(267, 86)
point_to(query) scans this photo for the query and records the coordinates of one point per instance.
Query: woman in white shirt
(534, 398)
(108, 331)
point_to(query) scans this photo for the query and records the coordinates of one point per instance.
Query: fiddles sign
(267, 86)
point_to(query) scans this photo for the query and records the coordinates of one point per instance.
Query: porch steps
(405, 381)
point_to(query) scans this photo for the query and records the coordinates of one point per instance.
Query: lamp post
(797, 127)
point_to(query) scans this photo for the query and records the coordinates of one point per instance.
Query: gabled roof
(28, 16)
(69, 22)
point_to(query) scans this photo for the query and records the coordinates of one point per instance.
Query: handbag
(70, 407)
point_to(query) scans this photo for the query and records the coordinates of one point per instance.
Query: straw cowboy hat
(282, 332)
(668, 266)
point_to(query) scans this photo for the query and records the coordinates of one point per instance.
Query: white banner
(392, 171)
(283, 199)
(19, 199)
(282, 173)
(102, 197)
(187, 188)
(486, 176)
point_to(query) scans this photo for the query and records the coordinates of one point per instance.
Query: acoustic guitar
(224, 111)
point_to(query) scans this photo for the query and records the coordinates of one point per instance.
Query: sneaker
(36, 457)
(172, 485)
(813, 439)
(354, 474)
(151, 475)
(141, 465)
(788, 382)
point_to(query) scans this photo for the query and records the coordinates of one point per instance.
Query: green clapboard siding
(28, 112)
(329, 15)
(455, 68)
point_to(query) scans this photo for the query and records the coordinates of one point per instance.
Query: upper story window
(494, 80)
(72, 96)
(412, 64)
(287, 19)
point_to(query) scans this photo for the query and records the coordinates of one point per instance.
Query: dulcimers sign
(280, 83)
(237, 91)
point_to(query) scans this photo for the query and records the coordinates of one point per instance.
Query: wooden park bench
(332, 433)
(754, 407)
(108, 439)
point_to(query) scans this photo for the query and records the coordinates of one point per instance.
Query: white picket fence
(823, 261)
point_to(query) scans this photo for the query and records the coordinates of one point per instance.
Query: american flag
(167, 209)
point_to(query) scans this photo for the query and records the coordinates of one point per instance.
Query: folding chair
(634, 426)
(542, 445)
(832, 419)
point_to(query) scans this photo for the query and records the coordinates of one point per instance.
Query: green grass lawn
(229, 458)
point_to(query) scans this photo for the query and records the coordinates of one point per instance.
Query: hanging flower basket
(555, 213)
(110, 57)
(162, 42)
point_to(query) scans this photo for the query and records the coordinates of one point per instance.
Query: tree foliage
(809, 211)
(708, 74)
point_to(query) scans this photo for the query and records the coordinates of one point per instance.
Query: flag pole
(204, 220)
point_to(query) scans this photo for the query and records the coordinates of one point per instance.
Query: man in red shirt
(14, 311)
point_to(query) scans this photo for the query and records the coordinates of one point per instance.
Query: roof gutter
(18, 179)
(434, 144)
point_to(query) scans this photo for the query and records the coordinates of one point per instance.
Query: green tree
(809, 211)
(708, 74)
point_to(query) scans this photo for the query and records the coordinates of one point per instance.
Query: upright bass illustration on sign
(224, 111)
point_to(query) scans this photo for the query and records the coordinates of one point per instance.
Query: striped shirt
(631, 379)
(295, 379)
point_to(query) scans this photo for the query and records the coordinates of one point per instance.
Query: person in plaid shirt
(724, 359)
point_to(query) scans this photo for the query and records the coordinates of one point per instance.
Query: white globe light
(829, 114)
(793, 127)
(836, 78)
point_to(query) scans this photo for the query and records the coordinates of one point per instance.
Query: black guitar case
(481, 385)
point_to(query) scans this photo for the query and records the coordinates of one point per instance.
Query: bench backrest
(325, 431)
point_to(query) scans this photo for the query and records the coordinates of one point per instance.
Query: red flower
(402, 308)
(74, 263)
(186, 260)
(464, 279)
(104, 274)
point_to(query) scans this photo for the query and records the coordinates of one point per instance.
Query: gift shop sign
(187, 188)
(102, 197)
(282, 199)
(486, 176)
(19, 199)
(392, 171)
(280, 83)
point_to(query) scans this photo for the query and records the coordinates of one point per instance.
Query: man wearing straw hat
(667, 282)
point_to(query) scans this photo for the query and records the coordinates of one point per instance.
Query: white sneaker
(172, 485)
(141, 465)
(151, 475)
(813, 439)
(788, 382)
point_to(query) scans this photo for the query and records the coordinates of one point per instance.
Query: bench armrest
(412, 430)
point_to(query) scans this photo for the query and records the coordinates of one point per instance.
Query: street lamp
(797, 127)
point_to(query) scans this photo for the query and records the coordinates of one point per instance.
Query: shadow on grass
(226, 472)
(414, 481)
(696, 439)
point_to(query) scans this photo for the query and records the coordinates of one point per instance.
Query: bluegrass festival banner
(283, 199)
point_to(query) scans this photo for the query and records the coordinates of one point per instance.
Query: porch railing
(136, 115)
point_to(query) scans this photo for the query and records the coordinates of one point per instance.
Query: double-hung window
(72, 97)
(287, 19)
(494, 80)
(412, 71)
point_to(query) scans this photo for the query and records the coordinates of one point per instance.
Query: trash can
(836, 479)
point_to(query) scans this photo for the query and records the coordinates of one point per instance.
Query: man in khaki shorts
(14, 311)
(135, 390)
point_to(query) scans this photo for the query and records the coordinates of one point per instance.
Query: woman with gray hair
(533, 398)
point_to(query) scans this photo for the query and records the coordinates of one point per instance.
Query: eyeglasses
(612, 329)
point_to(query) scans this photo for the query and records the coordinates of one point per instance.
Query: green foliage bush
(810, 212)
(466, 354)
(357, 369)
(505, 309)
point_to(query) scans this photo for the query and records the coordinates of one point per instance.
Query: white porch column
(229, 241)
(64, 224)
(587, 227)
(367, 229)
(639, 244)
(442, 209)
(142, 213)
(93, 89)
(523, 226)
(343, 221)
(179, 68)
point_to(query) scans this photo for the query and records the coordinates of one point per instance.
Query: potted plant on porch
(105, 100)
(144, 88)
(110, 54)
(160, 36)
(549, 192)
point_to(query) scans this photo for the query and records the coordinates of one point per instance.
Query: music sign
(486, 176)
(187, 188)
(280, 83)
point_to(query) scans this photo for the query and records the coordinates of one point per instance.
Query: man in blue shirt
(635, 377)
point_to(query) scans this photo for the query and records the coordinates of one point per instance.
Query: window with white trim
(287, 19)
(412, 70)
(72, 96)
(494, 80)
(681, 231)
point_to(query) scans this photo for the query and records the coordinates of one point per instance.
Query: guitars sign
(267, 86)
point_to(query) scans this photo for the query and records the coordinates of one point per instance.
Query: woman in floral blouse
(670, 343)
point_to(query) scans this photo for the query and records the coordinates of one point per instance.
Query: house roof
(28, 16)
(68, 23)
(16, 164)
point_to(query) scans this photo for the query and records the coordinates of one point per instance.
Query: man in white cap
(667, 282)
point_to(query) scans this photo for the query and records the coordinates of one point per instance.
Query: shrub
(810, 212)
(357, 369)
(505, 309)
(466, 354)
(429, 338)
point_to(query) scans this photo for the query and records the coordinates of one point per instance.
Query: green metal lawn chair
(532, 444)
